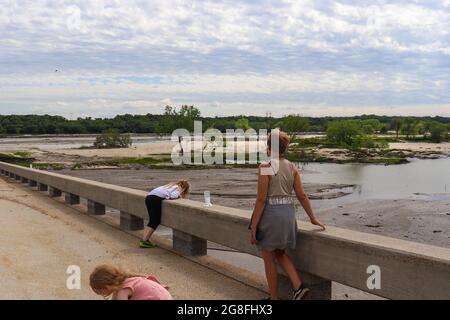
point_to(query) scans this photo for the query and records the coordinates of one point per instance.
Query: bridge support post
(42, 187)
(24, 180)
(188, 244)
(11, 175)
(17, 177)
(95, 208)
(1, 171)
(54, 193)
(32, 183)
(71, 199)
(130, 222)
(320, 288)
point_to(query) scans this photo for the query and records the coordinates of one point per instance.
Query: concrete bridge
(407, 270)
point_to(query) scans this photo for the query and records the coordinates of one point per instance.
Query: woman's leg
(286, 263)
(271, 273)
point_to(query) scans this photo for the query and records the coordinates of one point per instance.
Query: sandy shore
(166, 148)
(443, 147)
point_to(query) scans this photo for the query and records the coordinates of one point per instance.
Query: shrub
(112, 139)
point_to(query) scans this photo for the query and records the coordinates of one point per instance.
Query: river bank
(150, 151)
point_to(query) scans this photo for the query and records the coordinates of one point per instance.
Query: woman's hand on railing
(316, 222)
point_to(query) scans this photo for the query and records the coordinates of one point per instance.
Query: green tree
(396, 125)
(368, 129)
(384, 129)
(409, 127)
(242, 123)
(293, 124)
(174, 119)
(438, 132)
(371, 126)
(344, 132)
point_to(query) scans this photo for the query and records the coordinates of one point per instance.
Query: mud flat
(420, 219)
(232, 187)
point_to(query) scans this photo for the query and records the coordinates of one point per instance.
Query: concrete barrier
(407, 270)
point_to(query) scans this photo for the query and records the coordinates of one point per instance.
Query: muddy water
(50, 143)
(420, 179)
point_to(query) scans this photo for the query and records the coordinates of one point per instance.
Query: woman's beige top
(282, 183)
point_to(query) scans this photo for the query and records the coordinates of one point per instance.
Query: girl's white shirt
(166, 193)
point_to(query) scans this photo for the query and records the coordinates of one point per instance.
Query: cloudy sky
(99, 58)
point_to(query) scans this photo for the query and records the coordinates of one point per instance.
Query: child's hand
(316, 222)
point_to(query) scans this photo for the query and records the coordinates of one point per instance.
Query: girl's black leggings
(154, 207)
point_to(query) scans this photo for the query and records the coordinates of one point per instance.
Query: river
(419, 179)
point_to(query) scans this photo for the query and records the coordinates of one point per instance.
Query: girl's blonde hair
(109, 278)
(183, 184)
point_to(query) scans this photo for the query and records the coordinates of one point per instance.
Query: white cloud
(138, 54)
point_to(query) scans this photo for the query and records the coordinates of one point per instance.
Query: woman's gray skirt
(277, 228)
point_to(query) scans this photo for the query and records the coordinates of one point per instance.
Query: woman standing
(274, 226)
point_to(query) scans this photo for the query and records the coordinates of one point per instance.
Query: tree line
(431, 128)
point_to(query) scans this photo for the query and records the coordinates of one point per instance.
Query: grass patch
(316, 142)
(323, 142)
(22, 154)
(16, 159)
(145, 161)
(161, 162)
(48, 166)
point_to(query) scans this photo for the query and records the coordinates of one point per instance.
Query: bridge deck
(41, 238)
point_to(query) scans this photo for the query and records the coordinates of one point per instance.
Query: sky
(227, 57)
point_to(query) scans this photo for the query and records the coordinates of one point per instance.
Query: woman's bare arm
(304, 200)
(263, 186)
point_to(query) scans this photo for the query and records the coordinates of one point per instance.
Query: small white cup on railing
(207, 196)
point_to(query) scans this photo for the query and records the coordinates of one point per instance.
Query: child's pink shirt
(144, 289)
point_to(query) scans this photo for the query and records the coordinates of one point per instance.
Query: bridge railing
(388, 267)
